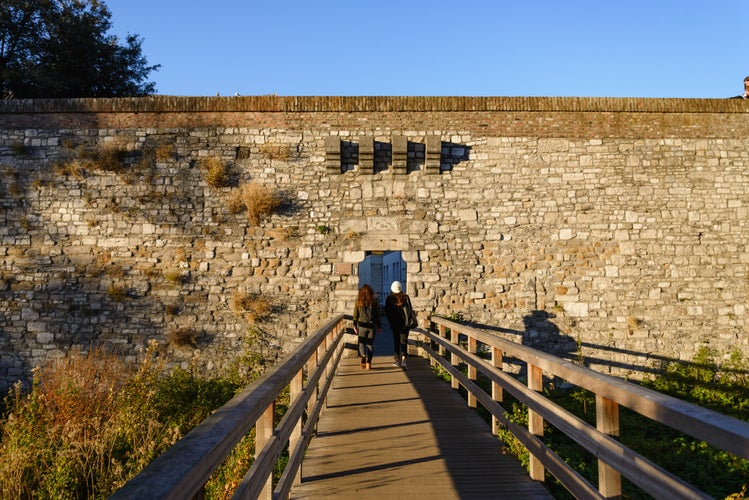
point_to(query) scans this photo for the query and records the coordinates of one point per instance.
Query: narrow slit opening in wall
(379, 269)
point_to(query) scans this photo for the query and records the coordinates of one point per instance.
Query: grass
(91, 421)
(19, 148)
(257, 200)
(253, 307)
(216, 173)
(183, 337)
(118, 293)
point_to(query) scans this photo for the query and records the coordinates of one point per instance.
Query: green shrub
(703, 382)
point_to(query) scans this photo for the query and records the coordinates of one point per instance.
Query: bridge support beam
(454, 359)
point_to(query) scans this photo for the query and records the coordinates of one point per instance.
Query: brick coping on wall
(273, 103)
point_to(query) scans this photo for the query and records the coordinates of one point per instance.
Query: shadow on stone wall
(543, 334)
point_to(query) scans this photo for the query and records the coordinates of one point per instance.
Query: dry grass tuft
(165, 153)
(174, 277)
(118, 293)
(71, 168)
(216, 173)
(253, 307)
(182, 337)
(110, 158)
(258, 200)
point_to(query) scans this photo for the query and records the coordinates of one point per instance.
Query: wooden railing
(614, 459)
(182, 471)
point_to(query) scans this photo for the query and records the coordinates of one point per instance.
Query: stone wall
(608, 230)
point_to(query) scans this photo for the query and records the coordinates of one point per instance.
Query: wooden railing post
(442, 330)
(473, 349)
(607, 421)
(535, 421)
(263, 433)
(315, 391)
(497, 393)
(454, 359)
(295, 390)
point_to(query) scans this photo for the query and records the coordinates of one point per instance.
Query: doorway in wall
(379, 269)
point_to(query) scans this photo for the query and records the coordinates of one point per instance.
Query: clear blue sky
(634, 48)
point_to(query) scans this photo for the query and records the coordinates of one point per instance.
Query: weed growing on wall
(257, 200)
(251, 306)
(216, 173)
(19, 148)
(165, 153)
(182, 337)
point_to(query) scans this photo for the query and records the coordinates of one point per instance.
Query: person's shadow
(542, 334)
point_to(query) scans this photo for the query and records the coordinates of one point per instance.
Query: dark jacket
(371, 318)
(394, 312)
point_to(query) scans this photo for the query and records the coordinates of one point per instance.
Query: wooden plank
(390, 433)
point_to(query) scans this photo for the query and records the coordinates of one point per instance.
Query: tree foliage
(61, 48)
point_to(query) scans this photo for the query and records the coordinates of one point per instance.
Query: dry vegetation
(92, 421)
(216, 172)
(183, 337)
(253, 307)
(257, 200)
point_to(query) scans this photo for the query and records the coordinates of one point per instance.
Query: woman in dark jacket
(367, 319)
(397, 306)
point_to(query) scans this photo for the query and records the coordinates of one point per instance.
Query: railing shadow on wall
(183, 470)
(457, 343)
(543, 334)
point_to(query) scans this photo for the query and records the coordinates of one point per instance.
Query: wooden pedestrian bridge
(393, 433)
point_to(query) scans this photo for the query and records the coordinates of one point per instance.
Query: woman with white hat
(398, 311)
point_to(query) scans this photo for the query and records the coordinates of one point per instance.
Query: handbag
(411, 320)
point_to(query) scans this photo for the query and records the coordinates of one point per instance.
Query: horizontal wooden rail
(615, 459)
(182, 471)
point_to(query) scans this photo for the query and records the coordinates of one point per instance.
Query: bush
(91, 421)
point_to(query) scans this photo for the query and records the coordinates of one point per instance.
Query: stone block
(400, 154)
(366, 155)
(333, 154)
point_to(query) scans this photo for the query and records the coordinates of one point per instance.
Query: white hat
(396, 287)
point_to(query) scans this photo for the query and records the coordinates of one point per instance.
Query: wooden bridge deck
(390, 433)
